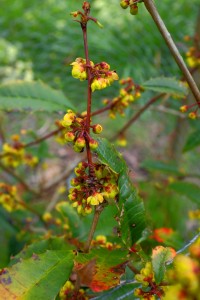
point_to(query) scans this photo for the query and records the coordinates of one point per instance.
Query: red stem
(89, 96)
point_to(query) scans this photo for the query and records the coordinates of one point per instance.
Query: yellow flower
(192, 115)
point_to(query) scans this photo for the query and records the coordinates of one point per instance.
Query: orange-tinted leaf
(86, 272)
(100, 270)
(160, 256)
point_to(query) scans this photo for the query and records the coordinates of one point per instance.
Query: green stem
(150, 6)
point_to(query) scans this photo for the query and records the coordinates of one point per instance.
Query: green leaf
(161, 166)
(35, 96)
(159, 258)
(110, 156)
(131, 213)
(166, 85)
(133, 219)
(40, 247)
(124, 291)
(193, 141)
(187, 189)
(101, 269)
(38, 277)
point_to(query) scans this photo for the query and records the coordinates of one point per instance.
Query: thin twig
(150, 6)
(137, 115)
(18, 178)
(98, 211)
(45, 137)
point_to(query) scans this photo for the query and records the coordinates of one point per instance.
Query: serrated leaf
(131, 213)
(154, 165)
(35, 96)
(55, 243)
(132, 220)
(187, 189)
(124, 291)
(106, 268)
(110, 156)
(166, 85)
(160, 256)
(192, 141)
(32, 278)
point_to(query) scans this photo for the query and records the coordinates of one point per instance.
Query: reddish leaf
(100, 270)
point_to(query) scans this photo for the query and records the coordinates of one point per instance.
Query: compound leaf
(166, 85)
(35, 96)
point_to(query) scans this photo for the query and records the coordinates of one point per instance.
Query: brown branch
(18, 178)
(45, 137)
(150, 6)
(98, 211)
(138, 114)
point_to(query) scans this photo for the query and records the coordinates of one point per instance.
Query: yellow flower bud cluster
(127, 95)
(68, 292)
(132, 4)
(79, 68)
(15, 155)
(75, 131)
(101, 75)
(90, 190)
(150, 289)
(9, 198)
(193, 57)
(101, 241)
(146, 275)
(185, 276)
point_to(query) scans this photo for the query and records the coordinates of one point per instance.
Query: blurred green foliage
(39, 40)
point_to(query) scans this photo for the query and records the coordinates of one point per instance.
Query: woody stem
(89, 93)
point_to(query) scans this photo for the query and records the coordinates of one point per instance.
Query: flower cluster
(185, 276)
(193, 114)
(92, 189)
(132, 4)
(9, 198)
(193, 57)
(101, 241)
(76, 131)
(101, 76)
(67, 292)
(146, 278)
(127, 95)
(15, 155)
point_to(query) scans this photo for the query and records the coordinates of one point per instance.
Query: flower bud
(75, 181)
(97, 129)
(183, 108)
(192, 115)
(134, 9)
(93, 144)
(124, 4)
(80, 142)
(69, 136)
